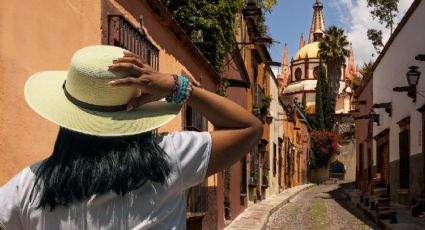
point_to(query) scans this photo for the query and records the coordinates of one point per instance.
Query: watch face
(298, 74)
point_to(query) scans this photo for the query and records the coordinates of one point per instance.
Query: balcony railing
(257, 97)
(195, 121)
(197, 201)
(123, 34)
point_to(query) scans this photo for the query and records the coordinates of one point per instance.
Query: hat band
(85, 105)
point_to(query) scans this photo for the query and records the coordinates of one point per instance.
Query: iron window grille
(197, 203)
(123, 34)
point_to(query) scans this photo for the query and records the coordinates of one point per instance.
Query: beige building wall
(276, 132)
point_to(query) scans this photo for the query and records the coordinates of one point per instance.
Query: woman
(107, 170)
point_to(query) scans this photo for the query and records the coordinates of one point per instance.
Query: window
(315, 75)
(121, 33)
(194, 120)
(197, 202)
(298, 74)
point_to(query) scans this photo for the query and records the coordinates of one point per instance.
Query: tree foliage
(384, 10)
(268, 4)
(216, 18)
(366, 69)
(333, 50)
(375, 36)
(322, 102)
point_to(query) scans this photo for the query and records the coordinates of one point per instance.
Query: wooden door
(385, 163)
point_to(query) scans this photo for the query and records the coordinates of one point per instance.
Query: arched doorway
(337, 170)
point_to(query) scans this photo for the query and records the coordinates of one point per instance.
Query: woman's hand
(152, 84)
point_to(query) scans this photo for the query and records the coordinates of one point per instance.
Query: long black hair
(83, 165)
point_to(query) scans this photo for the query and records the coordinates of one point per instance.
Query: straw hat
(80, 99)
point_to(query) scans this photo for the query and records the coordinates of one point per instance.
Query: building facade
(398, 136)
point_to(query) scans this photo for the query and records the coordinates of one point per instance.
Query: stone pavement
(256, 216)
(323, 207)
(405, 220)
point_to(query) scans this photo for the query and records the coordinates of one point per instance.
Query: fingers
(129, 82)
(126, 67)
(131, 54)
(139, 101)
(132, 60)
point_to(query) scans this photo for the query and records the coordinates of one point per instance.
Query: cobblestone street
(321, 207)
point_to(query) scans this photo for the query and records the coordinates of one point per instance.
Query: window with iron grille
(194, 120)
(198, 195)
(123, 34)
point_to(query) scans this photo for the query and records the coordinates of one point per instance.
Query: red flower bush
(324, 144)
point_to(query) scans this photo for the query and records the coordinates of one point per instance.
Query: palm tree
(366, 69)
(333, 51)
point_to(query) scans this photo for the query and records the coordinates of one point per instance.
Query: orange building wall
(36, 35)
(34, 39)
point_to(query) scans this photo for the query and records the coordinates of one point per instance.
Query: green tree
(333, 50)
(385, 11)
(268, 4)
(366, 69)
(215, 18)
(323, 113)
(319, 117)
(375, 36)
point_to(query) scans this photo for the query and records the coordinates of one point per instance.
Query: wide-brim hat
(81, 99)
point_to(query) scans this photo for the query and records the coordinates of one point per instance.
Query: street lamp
(412, 76)
(373, 117)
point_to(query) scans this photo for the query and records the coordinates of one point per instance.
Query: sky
(289, 18)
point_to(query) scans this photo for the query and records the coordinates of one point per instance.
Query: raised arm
(236, 130)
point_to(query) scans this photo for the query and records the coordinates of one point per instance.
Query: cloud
(356, 20)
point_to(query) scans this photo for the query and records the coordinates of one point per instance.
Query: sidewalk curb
(383, 223)
(264, 210)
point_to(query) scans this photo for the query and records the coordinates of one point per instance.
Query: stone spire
(302, 42)
(285, 56)
(285, 73)
(318, 23)
(351, 68)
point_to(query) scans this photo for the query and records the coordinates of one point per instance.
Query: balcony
(123, 34)
(257, 99)
(197, 201)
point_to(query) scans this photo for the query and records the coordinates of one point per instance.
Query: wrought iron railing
(257, 97)
(123, 34)
(197, 201)
(195, 121)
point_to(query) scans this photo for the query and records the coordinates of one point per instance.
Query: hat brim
(44, 94)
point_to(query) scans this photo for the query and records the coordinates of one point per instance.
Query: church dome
(308, 51)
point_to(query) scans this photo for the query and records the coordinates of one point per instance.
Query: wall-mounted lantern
(412, 76)
(373, 117)
(197, 36)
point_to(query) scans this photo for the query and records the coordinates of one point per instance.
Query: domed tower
(303, 78)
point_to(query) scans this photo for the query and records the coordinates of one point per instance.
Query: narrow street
(321, 207)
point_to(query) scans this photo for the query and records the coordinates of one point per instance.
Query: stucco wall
(35, 36)
(276, 111)
(390, 73)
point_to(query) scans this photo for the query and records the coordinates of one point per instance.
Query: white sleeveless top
(152, 206)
